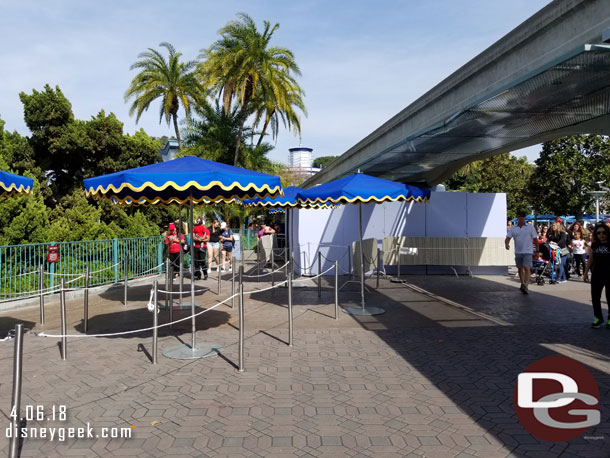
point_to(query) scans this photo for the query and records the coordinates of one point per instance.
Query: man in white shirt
(526, 238)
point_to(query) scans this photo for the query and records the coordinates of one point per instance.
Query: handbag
(565, 251)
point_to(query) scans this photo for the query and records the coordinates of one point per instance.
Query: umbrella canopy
(13, 185)
(184, 180)
(361, 188)
(288, 200)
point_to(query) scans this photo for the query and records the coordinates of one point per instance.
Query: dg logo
(557, 399)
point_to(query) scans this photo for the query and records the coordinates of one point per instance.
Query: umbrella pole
(204, 349)
(361, 255)
(192, 247)
(180, 235)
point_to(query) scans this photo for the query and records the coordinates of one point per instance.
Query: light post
(597, 195)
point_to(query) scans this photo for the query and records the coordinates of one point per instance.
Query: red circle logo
(557, 399)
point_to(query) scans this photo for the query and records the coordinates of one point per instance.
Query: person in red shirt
(174, 246)
(201, 235)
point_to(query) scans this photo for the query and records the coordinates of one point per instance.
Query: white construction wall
(446, 214)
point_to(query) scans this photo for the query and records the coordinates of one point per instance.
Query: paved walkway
(433, 376)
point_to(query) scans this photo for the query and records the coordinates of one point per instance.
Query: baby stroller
(548, 266)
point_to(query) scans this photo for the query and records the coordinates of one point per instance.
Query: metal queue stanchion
(167, 296)
(62, 304)
(155, 322)
(86, 302)
(272, 260)
(290, 330)
(319, 272)
(241, 318)
(378, 266)
(233, 285)
(16, 399)
(349, 262)
(219, 277)
(41, 294)
(336, 290)
(126, 268)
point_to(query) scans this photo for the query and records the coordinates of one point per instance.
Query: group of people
(589, 249)
(213, 243)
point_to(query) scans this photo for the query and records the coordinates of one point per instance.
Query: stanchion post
(398, 264)
(64, 339)
(349, 263)
(378, 266)
(41, 293)
(241, 318)
(233, 286)
(86, 302)
(16, 401)
(319, 274)
(336, 290)
(290, 329)
(155, 322)
(167, 280)
(219, 277)
(259, 247)
(126, 270)
(272, 262)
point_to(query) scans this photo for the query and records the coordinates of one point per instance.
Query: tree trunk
(240, 132)
(267, 121)
(175, 116)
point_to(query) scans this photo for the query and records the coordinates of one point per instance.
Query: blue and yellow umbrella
(187, 180)
(181, 181)
(13, 185)
(362, 189)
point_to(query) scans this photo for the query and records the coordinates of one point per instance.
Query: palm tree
(272, 111)
(241, 65)
(171, 80)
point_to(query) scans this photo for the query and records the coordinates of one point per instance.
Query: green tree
(323, 161)
(171, 80)
(501, 173)
(242, 65)
(25, 218)
(567, 169)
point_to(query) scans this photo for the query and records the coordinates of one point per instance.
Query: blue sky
(362, 61)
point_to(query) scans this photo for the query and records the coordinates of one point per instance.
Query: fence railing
(20, 264)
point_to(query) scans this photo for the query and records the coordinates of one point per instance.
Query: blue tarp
(183, 179)
(12, 185)
(361, 188)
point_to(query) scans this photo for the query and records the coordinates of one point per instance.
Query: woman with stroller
(558, 234)
(599, 265)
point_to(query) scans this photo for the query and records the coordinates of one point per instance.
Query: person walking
(526, 238)
(226, 240)
(599, 265)
(559, 235)
(201, 235)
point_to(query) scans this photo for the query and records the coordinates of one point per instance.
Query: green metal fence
(20, 264)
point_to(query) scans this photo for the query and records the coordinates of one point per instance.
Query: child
(578, 251)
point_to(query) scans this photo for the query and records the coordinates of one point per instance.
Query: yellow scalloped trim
(284, 205)
(130, 200)
(100, 189)
(13, 188)
(342, 200)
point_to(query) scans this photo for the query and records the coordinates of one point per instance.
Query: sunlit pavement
(433, 376)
